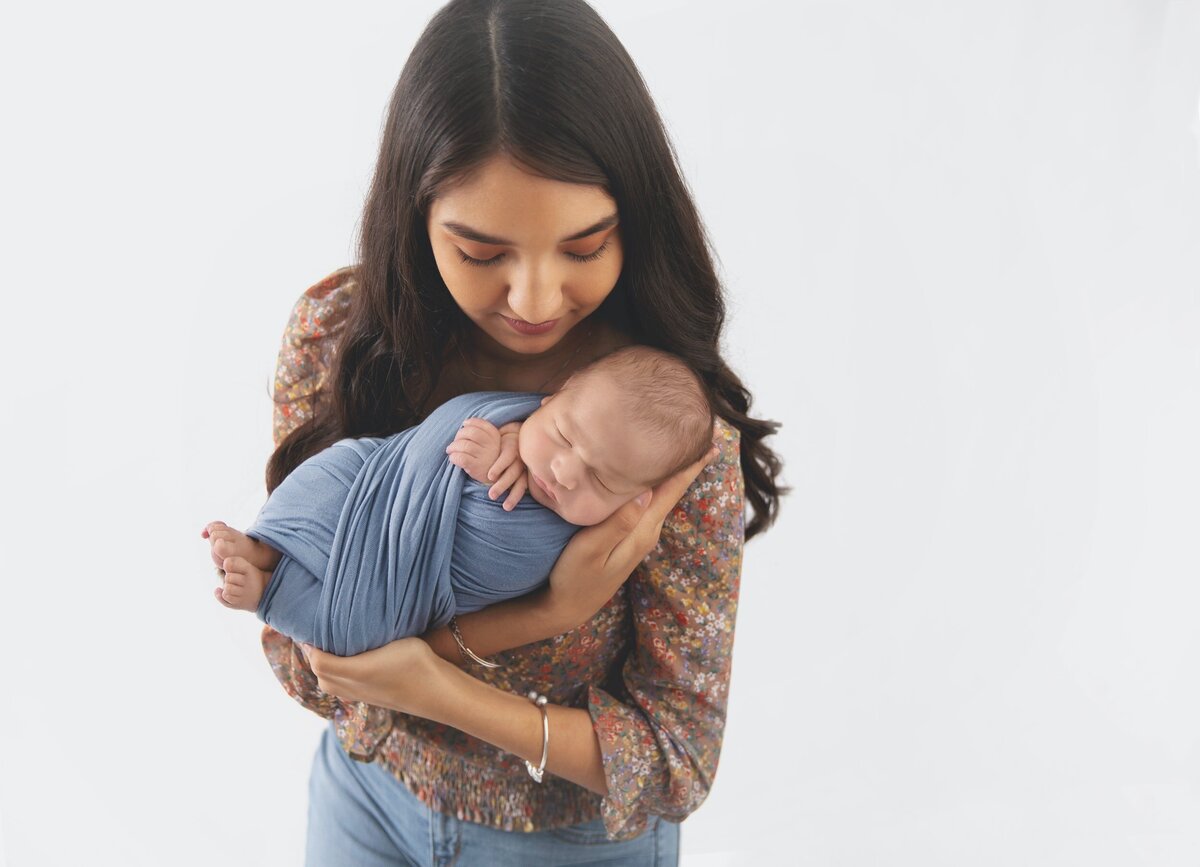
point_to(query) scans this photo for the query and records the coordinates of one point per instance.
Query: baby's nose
(564, 472)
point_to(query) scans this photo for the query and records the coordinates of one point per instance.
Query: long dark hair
(547, 83)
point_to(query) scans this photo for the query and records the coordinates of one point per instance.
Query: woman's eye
(495, 260)
(471, 260)
(594, 255)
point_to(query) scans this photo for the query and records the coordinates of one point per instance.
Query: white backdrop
(961, 246)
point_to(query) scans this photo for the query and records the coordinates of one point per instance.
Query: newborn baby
(615, 429)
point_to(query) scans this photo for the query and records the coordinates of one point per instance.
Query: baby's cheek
(589, 511)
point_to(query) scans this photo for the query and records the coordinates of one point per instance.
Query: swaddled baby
(613, 431)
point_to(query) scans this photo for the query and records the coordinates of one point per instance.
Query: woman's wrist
(504, 626)
(514, 724)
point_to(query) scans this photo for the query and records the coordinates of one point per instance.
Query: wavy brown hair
(547, 83)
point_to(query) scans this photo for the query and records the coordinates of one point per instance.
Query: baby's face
(584, 460)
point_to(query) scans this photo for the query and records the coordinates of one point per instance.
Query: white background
(961, 246)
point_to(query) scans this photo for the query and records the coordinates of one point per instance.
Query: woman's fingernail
(643, 498)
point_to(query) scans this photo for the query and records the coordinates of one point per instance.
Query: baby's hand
(489, 454)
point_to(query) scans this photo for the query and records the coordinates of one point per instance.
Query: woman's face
(525, 258)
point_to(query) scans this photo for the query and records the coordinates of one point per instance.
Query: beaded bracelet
(466, 651)
(539, 701)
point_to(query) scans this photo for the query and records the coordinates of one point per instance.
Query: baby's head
(616, 428)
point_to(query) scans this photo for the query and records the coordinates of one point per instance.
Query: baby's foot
(244, 584)
(228, 542)
(244, 564)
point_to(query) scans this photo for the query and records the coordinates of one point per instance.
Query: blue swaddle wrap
(382, 537)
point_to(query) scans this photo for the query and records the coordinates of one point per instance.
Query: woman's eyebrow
(599, 225)
(464, 231)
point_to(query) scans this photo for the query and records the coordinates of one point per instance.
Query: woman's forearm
(503, 626)
(407, 676)
(512, 723)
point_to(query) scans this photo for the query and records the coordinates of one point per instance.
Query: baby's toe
(236, 569)
(243, 546)
(211, 527)
(224, 542)
(220, 550)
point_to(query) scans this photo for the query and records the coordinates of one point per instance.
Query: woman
(526, 216)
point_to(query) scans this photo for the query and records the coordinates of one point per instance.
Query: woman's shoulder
(341, 282)
(307, 349)
(728, 438)
(321, 308)
(720, 483)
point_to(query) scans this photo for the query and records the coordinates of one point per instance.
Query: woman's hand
(403, 675)
(598, 559)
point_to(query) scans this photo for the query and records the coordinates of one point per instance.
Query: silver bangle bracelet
(466, 651)
(539, 701)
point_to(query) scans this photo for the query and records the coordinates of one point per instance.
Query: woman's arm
(407, 676)
(661, 725)
(581, 583)
(410, 677)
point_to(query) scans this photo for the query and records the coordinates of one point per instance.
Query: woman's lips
(523, 327)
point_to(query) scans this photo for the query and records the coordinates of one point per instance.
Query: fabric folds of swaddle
(382, 537)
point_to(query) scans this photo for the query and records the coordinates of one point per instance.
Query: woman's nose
(535, 293)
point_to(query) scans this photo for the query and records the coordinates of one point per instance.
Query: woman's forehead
(503, 200)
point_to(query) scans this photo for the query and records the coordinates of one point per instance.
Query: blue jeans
(360, 814)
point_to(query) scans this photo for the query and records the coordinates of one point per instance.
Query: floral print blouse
(652, 666)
